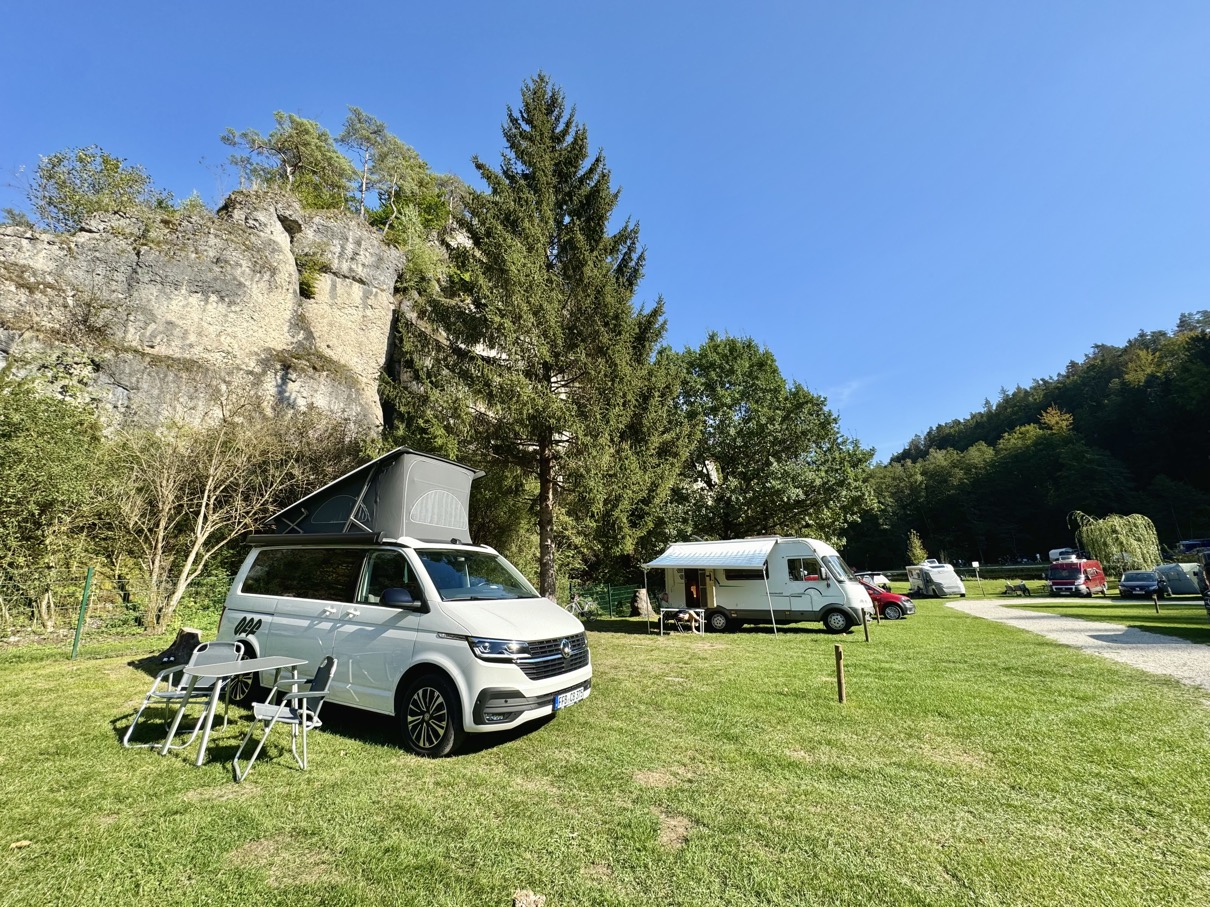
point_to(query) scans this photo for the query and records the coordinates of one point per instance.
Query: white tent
(736, 554)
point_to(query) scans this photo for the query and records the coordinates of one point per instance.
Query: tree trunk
(546, 519)
(46, 610)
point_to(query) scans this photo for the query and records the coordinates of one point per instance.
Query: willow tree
(1128, 542)
(533, 356)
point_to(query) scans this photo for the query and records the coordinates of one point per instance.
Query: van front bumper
(500, 707)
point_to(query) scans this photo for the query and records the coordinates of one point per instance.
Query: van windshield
(1065, 571)
(474, 576)
(838, 568)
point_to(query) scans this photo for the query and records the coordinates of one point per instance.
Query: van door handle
(352, 612)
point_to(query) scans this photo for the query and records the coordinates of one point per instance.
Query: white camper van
(934, 578)
(763, 580)
(377, 570)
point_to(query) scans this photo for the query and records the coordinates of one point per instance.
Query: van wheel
(719, 622)
(892, 612)
(430, 716)
(244, 688)
(837, 622)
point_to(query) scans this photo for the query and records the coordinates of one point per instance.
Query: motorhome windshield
(1065, 571)
(838, 568)
(474, 576)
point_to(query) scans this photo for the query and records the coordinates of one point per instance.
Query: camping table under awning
(736, 554)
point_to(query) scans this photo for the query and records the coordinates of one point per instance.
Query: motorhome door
(695, 588)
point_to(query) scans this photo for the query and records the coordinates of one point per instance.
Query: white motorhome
(934, 578)
(377, 571)
(763, 580)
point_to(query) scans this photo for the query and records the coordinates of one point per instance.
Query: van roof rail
(315, 538)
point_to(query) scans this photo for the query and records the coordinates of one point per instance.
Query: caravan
(763, 580)
(934, 578)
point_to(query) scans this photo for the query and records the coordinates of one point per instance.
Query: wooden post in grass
(840, 672)
(1156, 598)
(865, 624)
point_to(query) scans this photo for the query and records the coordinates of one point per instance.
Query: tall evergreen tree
(534, 356)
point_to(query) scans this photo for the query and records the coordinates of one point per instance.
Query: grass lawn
(1183, 616)
(973, 764)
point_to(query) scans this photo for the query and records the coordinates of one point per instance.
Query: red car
(890, 605)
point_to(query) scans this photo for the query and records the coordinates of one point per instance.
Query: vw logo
(565, 647)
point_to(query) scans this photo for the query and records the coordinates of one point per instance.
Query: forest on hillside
(1125, 430)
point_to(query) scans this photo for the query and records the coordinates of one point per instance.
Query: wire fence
(50, 603)
(611, 601)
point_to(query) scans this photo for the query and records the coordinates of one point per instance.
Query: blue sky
(911, 204)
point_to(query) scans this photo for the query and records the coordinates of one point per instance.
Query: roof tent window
(336, 511)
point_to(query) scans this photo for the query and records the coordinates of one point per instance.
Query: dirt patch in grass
(221, 794)
(946, 754)
(285, 862)
(598, 871)
(673, 830)
(655, 779)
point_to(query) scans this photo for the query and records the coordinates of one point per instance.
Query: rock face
(157, 318)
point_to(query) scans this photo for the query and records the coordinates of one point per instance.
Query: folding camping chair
(299, 709)
(168, 691)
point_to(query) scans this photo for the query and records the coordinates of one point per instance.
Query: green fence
(611, 601)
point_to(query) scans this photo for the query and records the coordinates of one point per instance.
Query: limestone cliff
(156, 315)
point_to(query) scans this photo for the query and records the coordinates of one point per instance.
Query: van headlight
(498, 649)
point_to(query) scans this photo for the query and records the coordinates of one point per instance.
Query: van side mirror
(398, 597)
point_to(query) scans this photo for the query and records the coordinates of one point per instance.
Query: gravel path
(1188, 662)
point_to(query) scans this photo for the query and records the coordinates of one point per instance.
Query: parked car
(1145, 583)
(889, 604)
(877, 579)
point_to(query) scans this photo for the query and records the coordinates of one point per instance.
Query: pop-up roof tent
(402, 494)
(734, 553)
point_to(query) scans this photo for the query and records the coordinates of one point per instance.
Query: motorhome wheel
(430, 716)
(892, 612)
(719, 622)
(837, 622)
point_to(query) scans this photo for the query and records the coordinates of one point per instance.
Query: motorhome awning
(736, 553)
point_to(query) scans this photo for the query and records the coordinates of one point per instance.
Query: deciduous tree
(183, 492)
(70, 185)
(769, 457)
(298, 155)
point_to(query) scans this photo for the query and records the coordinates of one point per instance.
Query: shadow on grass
(638, 626)
(339, 721)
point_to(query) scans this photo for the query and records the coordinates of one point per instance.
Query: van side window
(759, 574)
(385, 570)
(326, 574)
(803, 569)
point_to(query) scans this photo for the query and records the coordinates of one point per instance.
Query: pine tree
(534, 357)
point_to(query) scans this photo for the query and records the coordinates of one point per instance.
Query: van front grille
(546, 657)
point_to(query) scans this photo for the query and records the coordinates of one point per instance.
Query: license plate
(570, 697)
